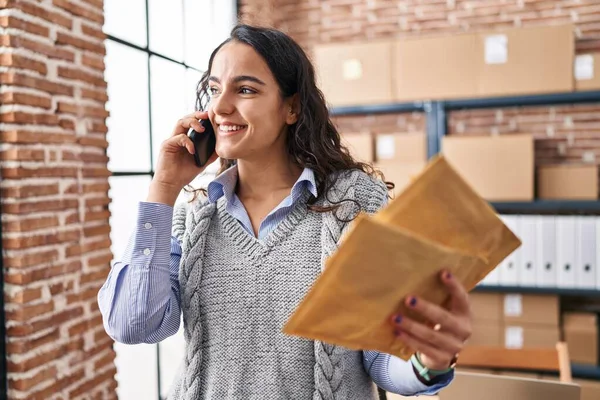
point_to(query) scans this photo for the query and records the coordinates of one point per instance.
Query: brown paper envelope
(352, 301)
(439, 205)
(440, 211)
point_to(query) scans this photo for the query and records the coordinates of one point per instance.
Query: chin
(227, 152)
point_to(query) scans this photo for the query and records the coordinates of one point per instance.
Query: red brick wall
(563, 133)
(54, 190)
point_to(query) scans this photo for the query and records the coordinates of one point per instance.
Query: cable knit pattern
(264, 280)
(190, 273)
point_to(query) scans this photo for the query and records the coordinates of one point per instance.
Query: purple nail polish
(413, 301)
(398, 333)
(398, 319)
(448, 275)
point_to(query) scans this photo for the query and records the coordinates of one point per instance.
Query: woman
(238, 262)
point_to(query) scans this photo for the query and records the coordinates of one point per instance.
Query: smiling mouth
(231, 129)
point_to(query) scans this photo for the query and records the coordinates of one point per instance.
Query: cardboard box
(527, 336)
(590, 390)
(486, 334)
(527, 375)
(499, 168)
(401, 174)
(442, 67)
(505, 62)
(580, 331)
(587, 71)
(486, 307)
(471, 370)
(360, 145)
(567, 182)
(528, 60)
(531, 309)
(468, 386)
(355, 73)
(409, 148)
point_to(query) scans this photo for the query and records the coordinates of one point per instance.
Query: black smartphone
(204, 142)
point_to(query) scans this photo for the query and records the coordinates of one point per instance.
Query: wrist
(165, 193)
(426, 375)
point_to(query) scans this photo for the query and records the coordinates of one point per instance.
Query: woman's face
(246, 107)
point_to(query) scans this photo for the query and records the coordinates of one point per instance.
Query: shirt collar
(224, 185)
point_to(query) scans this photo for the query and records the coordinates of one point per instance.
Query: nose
(222, 104)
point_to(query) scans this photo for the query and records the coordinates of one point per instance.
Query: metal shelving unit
(437, 128)
(548, 206)
(538, 290)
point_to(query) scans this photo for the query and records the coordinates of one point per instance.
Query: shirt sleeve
(395, 375)
(140, 299)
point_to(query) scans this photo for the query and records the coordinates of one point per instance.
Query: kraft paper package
(438, 222)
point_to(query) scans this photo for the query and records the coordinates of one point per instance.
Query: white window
(156, 53)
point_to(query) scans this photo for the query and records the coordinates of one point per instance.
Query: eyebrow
(238, 79)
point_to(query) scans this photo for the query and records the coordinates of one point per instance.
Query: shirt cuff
(152, 234)
(403, 374)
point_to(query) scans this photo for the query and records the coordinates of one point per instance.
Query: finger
(434, 354)
(459, 297)
(181, 141)
(436, 338)
(187, 122)
(439, 316)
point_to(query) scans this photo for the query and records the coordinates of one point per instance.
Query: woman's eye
(247, 91)
(212, 91)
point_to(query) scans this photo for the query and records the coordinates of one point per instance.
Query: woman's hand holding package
(439, 342)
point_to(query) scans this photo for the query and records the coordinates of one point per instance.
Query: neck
(267, 177)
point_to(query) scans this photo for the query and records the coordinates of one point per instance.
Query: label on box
(513, 337)
(513, 305)
(385, 147)
(352, 70)
(584, 67)
(496, 49)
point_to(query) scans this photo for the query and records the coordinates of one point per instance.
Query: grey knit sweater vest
(237, 292)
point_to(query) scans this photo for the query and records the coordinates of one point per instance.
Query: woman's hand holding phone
(175, 166)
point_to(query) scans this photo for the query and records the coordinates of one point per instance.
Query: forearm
(140, 299)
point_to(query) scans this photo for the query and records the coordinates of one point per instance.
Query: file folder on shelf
(566, 238)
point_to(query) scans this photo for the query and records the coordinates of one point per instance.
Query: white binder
(547, 271)
(493, 278)
(508, 269)
(566, 238)
(585, 253)
(527, 262)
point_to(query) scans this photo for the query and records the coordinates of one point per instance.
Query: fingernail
(398, 319)
(448, 275)
(413, 301)
(398, 333)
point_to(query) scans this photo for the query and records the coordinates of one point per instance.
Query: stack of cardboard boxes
(400, 156)
(515, 320)
(534, 321)
(514, 61)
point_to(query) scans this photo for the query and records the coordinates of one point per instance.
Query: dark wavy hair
(313, 141)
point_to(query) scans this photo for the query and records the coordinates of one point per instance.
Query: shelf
(528, 100)
(548, 206)
(473, 103)
(379, 108)
(538, 290)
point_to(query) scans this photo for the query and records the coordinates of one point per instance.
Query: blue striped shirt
(140, 300)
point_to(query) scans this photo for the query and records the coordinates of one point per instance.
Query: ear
(292, 106)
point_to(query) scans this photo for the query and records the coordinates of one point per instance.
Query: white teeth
(230, 128)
